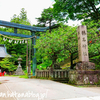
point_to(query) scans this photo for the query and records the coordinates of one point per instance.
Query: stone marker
(84, 73)
(83, 50)
(82, 43)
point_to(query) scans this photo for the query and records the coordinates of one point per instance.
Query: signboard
(82, 43)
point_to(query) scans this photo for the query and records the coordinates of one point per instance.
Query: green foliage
(57, 45)
(46, 17)
(62, 43)
(21, 19)
(93, 42)
(77, 9)
(16, 50)
(44, 65)
(6, 64)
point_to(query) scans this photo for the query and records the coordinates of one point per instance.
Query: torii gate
(24, 27)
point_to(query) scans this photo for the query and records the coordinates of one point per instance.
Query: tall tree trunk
(71, 59)
(54, 60)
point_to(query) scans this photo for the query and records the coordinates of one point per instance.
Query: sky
(34, 9)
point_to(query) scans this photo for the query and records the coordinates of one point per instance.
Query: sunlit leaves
(77, 9)
(6, 64)
(58, 44)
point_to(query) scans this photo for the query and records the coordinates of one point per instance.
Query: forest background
(58, 46)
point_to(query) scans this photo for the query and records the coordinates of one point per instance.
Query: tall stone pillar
(83, 63)
(82, 43)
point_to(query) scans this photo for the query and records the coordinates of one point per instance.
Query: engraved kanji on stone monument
(82, 43)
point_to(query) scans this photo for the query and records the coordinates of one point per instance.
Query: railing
(60, 73)
(55, 74)
(42, 73)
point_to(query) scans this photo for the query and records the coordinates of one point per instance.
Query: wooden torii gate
(24, 27)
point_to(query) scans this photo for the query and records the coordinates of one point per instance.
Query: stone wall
(84, 77)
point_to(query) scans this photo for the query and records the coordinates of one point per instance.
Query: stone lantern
(19, 61)
(19, 70)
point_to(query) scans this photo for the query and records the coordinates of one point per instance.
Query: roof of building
(3, 51)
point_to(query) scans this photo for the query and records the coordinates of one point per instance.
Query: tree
(62, 44)
(21, 18)
(23, 14)
(58, 45)
(77, 9)
(46, 18)
(7, 65)
(93, 42)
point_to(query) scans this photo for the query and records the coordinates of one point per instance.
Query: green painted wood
(14, 34)
(34, 51)
(25, 27)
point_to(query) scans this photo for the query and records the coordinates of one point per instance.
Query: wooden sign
(82, 43)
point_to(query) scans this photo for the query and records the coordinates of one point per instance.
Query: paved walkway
(14, 88)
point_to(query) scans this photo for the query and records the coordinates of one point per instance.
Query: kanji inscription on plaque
(82, 43)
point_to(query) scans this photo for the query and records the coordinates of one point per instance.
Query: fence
(55, 74)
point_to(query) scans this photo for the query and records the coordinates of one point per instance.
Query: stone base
(85, 65)
(84, 77)
(19, 71)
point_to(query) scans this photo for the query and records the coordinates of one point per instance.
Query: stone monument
(84, 72)
(19, 70)
(83, 63)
